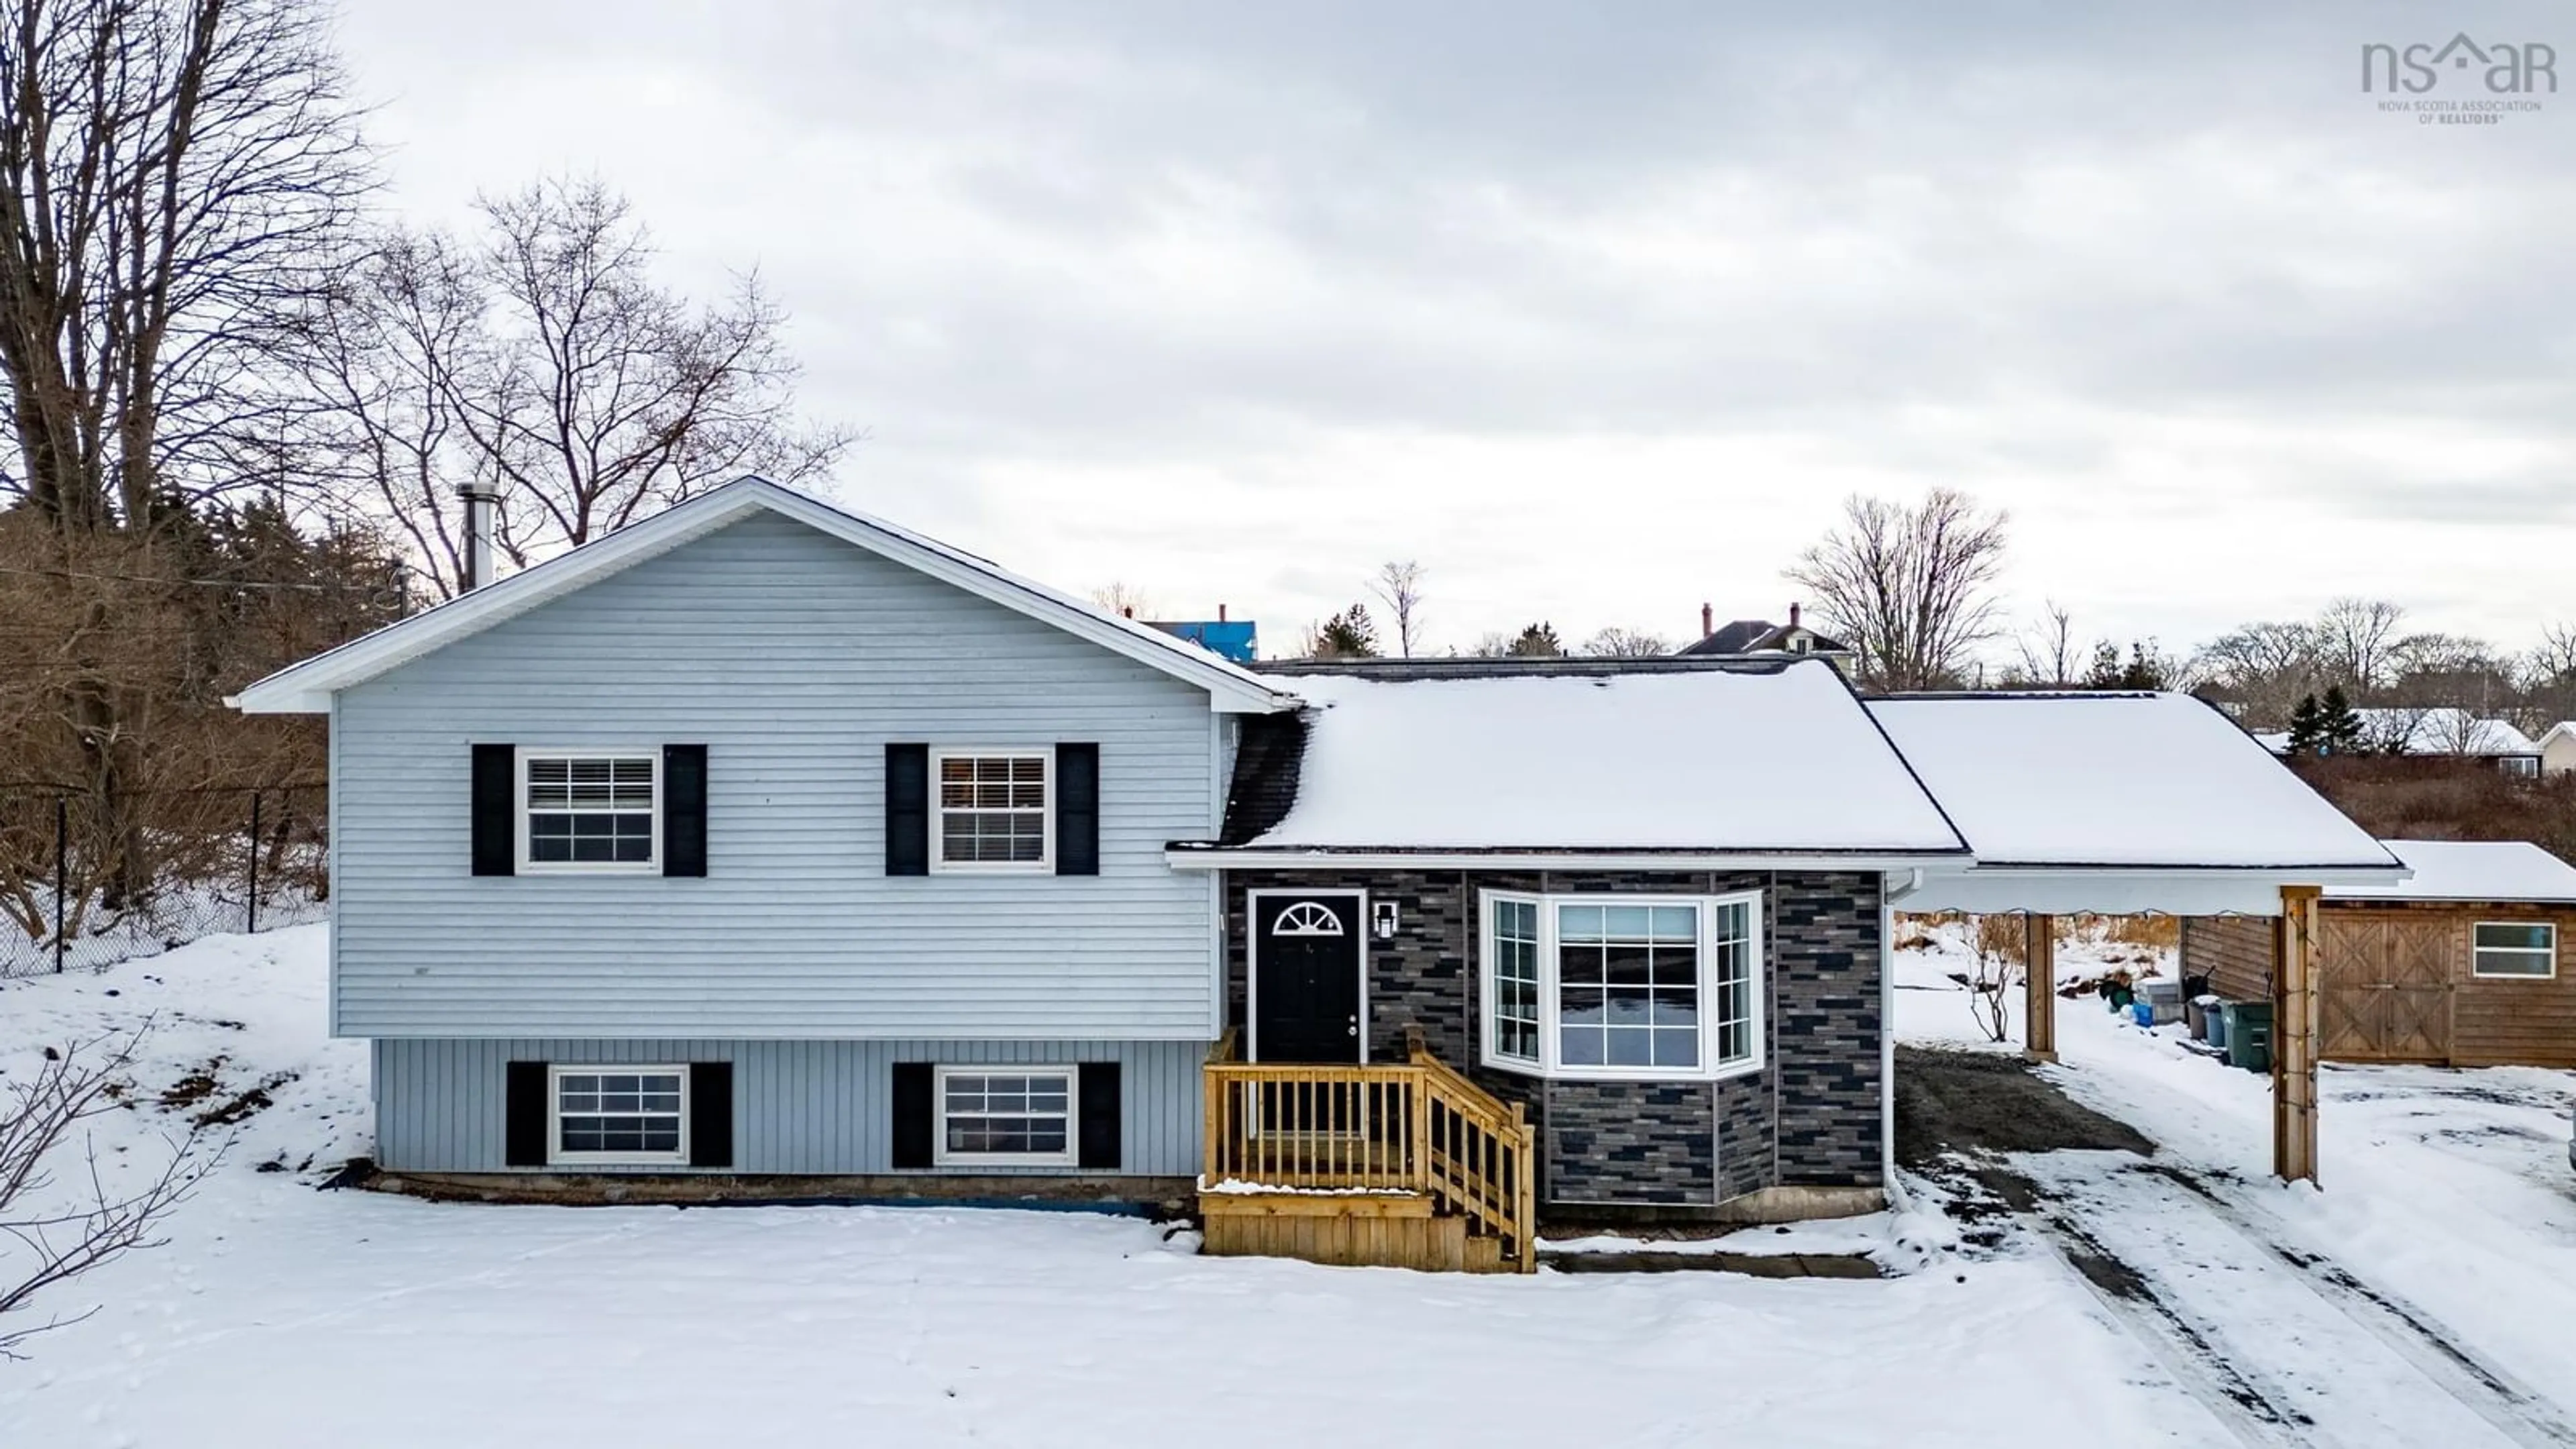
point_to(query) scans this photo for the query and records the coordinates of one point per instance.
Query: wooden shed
(2457, 966)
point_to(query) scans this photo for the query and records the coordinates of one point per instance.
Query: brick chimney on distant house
(1793, 616)
(1707, 621)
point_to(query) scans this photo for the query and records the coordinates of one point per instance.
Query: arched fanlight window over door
(1307, 918)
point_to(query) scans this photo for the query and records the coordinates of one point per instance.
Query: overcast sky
(1600, 311)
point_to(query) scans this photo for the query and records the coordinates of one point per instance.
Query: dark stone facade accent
(1810, 1116)
(1825, 1013)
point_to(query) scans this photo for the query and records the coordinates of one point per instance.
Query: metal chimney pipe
(479, 503)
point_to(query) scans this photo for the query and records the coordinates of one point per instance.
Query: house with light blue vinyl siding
(729, 842)
(764, 848)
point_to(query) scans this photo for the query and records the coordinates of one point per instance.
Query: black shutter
(1097, 1100)
(684, 810)
(496, 798)
(907, 811)
(524, 1135)
(711, 1114)
(915, 1093)
(1077, 810)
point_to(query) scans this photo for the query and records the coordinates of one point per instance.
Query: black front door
(1306, 978)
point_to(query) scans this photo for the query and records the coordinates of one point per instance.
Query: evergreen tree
(2338, 725)
(1538, 641)
(2307, 736)
(1347, 635)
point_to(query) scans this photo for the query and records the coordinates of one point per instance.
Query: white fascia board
(1186, 859)
(2180, 892)
(306, 688)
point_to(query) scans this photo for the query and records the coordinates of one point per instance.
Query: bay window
(1629, 987)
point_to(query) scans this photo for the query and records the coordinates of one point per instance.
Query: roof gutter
(1184, 857)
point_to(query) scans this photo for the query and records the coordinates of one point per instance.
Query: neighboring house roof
(1777, 760)
(2471, 870)
(1731, 638)
(2447, 730)
(2565, 729)
(306, 688)
(1761, 636)
(2117, 781)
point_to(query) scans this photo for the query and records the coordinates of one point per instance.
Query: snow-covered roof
(1775, 761)
(2443, 730)
(2117, 781)
(306, 688)
(2471, 870)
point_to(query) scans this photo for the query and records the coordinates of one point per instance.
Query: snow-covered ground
(2440, 1252)
(279, 1314)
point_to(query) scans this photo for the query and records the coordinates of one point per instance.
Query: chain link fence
(87, 881)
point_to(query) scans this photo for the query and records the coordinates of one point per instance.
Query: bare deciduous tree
(58, 1237)
(543, 359)
(1619, 643)
(2049, 653)
(1123, 598)
(1399, 587)
(1911, 589)
(2354, 638)
(175, 179)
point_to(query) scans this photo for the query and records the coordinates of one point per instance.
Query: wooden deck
(1409, 1166)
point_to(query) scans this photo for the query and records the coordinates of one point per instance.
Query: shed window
(995, 809)
(620, 1115)
(1005, 1117)
(2516, 948)
(589, 811)
(1622, 986)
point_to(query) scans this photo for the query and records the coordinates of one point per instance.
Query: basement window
(2526, 949)
(589, 811)
(1005, 1118)
(628, 1116)
(1622, 987)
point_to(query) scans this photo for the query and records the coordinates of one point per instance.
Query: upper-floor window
(589, 810)
(996, 810)
(1622, 986)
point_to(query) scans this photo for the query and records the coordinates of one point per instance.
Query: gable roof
(1582, 758)
(1760, 636)
(1730, 638)
(306, 688)
(2471, 870)
(2119, 781)
(2564, 729)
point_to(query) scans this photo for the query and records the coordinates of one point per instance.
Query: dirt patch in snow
(1956, 1101)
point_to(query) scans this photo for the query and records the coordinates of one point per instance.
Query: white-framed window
(994, 810)
(2523, 766)
(618, 1115)
(1005, 1116)
(1622, 987)
(2527, 949)
(590, 810)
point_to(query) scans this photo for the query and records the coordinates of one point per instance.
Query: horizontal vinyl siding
(799, 1106)
(794, 658)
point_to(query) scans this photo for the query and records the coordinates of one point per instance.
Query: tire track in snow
(2293, 1359)
(2495, 1394)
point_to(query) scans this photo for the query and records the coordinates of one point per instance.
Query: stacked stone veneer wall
(1811, 1116)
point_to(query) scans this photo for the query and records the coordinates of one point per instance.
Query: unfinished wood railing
(1418, 1127)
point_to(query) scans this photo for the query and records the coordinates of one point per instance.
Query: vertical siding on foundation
(799, 1106)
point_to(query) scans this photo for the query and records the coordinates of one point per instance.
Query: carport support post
(2294, 1039)
(2039, 984)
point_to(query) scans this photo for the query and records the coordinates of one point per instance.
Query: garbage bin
(2196, 1013)
(2249, 1035)
(2216, 1016)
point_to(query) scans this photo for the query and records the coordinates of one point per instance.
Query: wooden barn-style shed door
(2386, 981)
